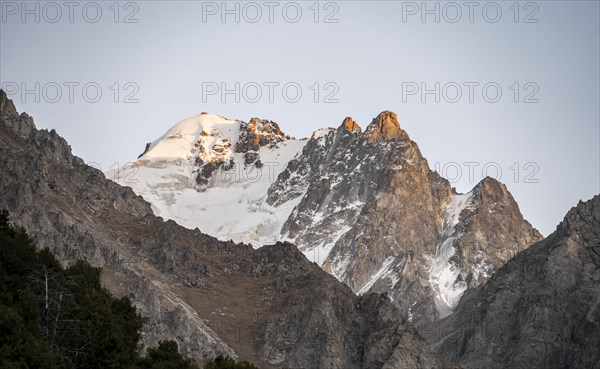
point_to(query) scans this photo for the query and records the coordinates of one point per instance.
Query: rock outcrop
(375, 216)
(541, 310)
(385, 127)
(350, 125)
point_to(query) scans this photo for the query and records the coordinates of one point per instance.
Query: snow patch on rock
(444, 274)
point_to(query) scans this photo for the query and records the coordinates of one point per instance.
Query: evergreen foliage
(62, 318)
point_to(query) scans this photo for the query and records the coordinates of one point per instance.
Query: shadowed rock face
(492, 232)
(540, 310)
(269, 306)
(7, 108)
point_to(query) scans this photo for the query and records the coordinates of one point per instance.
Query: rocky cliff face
(378, 219)
(270, 306)
(540, 310)
(251, 137)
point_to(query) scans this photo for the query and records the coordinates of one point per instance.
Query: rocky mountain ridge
(364, 205)
(540, 310)
(270, 306)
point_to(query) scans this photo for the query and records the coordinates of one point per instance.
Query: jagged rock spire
(6, 105)
(385, 127)
(350, 125)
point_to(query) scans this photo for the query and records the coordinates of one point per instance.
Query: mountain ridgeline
(363, 205)
(269, 306)
(393, 245)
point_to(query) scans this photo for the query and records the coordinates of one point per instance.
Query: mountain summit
(385, 127)
(365, 206)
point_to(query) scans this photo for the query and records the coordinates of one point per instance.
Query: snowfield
(233, 206)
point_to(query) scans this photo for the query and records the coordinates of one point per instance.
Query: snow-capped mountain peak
(365, 206)
(213, 173)
(181, 139)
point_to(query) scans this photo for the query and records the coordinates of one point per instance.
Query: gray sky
(166, 58)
